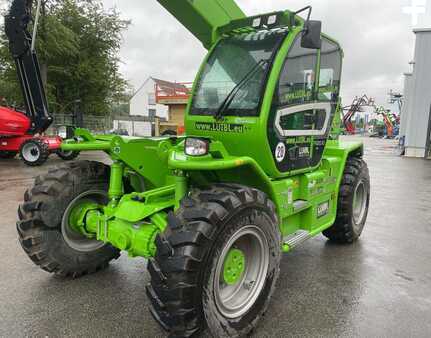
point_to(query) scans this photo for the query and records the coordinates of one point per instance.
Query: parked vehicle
(260, 170)
(23, 132)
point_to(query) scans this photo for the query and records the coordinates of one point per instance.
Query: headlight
(196, 147)
(62, 132)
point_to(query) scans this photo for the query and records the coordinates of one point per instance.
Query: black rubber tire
(180, 289)
(43, 152)
(345, 230)
(39, 225)
(7, 154)
(67, 156)
(169, 132)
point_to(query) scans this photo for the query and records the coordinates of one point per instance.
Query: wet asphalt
(378, 287)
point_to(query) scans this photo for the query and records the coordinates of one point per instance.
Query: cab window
(297, 79)
(312, 119)
(330, 71)
(246, 57)
(303, 120)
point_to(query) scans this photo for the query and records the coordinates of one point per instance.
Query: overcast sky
(376, 36)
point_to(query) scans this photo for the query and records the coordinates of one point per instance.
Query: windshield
(229, 64)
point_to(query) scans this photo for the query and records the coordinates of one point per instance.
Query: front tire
(353, 203)
(34, 152)
(217, 263)
(42, 230)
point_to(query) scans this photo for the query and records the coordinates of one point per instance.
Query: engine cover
(13, 123)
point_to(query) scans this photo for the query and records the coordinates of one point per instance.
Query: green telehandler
(260, 170)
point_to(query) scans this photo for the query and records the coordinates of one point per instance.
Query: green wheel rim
(71, 234)
(234, 266)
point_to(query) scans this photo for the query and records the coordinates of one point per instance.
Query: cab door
(304, 106)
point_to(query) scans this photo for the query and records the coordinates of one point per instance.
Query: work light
(196, 147)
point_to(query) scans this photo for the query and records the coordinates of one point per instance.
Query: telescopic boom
(27, 65)
(202, 17)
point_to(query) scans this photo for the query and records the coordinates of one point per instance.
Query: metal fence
(102, 124)
(95, 123)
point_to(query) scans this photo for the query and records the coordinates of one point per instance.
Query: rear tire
(169, 132)
(34, 152)
(353, 203)
(41, 229)
(188, 289)
(67, 155)
(7, 154)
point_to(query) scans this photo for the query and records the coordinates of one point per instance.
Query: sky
(376, 36)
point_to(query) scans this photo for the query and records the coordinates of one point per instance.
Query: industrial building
(416, 114)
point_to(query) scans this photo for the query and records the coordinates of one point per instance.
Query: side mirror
(311, 37)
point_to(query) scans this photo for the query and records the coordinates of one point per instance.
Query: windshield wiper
(229, 98)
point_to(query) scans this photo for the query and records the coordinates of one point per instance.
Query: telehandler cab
(260, 170)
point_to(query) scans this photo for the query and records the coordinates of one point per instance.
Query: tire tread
(191, 231)
(34, 215)
(341, 231)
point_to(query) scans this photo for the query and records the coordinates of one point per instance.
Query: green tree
(78, 47)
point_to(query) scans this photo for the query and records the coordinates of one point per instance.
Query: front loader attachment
(202, 17)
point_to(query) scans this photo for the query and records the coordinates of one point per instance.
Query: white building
(416, 114)
(155, 98)
(144, 102)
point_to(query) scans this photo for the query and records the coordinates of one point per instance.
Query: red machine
(15, 138)
(21, 132)
(356, 107)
